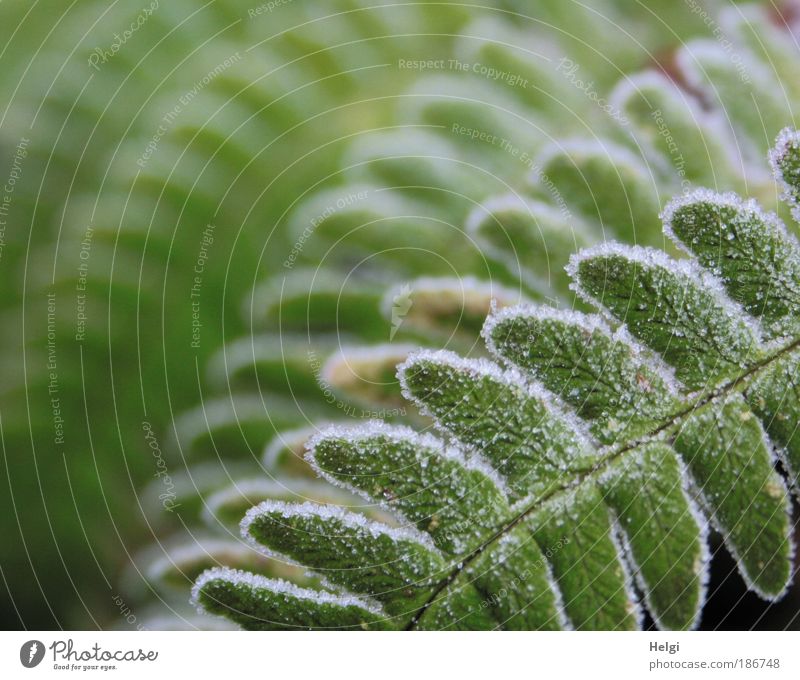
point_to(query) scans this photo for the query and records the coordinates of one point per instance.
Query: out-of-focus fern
(117, 197)
(580, 465)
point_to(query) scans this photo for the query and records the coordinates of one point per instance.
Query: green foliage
(612, 386)
(646, 492)
(785, 160)
(774, 395)
(305, 120)
(578, 167)
(258, 603)
(394, 566)
(515, 428)
(438, 490)
(751, 252)
(532, 239)
(586, 460)
(669, 306)
(731, 463)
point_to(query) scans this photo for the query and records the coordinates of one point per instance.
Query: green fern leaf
(396, 567)
(750, 251)
(259, 603)
(435, 488)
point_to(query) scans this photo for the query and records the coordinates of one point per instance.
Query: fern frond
(577, 471)
(431, 180)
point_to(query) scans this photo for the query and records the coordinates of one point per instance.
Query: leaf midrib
(612, 455)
